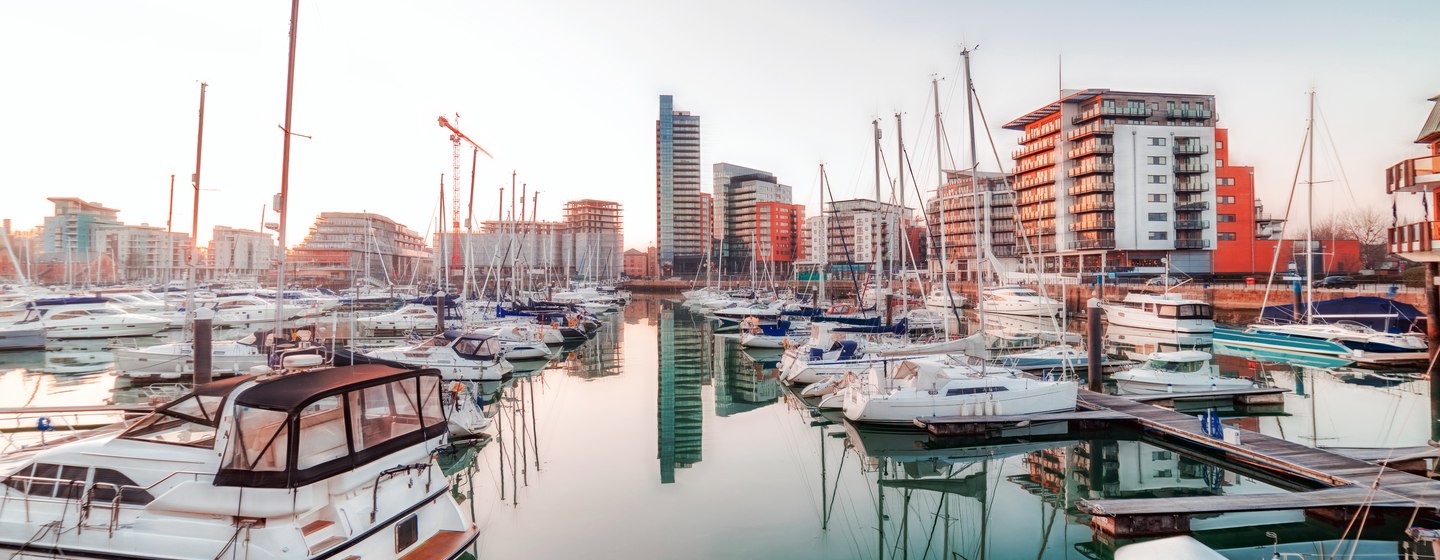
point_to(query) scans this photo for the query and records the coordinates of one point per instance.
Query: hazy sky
(99, 99)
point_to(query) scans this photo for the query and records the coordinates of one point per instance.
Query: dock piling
(204, 317)
(1093, 344)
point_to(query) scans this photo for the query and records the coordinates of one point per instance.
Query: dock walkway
(1350, 482)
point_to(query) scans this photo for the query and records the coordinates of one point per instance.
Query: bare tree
(1370, 226)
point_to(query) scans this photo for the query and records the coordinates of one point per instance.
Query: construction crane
(455, 137)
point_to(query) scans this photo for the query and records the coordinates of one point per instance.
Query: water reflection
(683, 370)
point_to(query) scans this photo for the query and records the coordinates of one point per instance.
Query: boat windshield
(190, 421)
(1186, 311)
(1176, 367)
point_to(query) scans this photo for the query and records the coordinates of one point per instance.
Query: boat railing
(88, 498)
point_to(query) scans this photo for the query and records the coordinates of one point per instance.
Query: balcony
(1002, 199)
(1188, 114)
(1032, 149)
(1049, 128)
(1192, 243)
(1081, 244)
(1091, 129)
(1417, 242)
(1035, 163)
(1191, 186)
(1191, 206)
(1080, 170)
(1112, 111)
(1413, 175)
(1091, 148)
(1092, 207)
(1093, 225)
(1035, 180)
(1184, 168)
(1190, 149)
(1038, 247)
(1192, 224)
(1001, 212)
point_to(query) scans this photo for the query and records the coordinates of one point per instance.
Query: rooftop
(1079, 96)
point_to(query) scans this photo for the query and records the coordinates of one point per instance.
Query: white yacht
(231, 357)
(412, 316)
(939, 299)
(916, 388)
(1019, 300)
(244, 310)
(1163, 312)
(1176, 372)
(91, 320)
(519, 342)
(327, 463)
(777, 336)
(459, 357)
(21, 337)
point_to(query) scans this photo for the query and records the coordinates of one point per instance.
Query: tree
(1370, 226)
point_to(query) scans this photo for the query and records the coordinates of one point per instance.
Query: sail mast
(283, 201)
(982, 233)
(1310, 214)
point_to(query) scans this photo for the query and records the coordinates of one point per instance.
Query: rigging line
(1289, 203)
(1335, 151)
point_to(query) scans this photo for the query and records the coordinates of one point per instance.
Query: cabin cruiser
(230, 357)
(900, 393)
(1350, 334)
(1061, 357)
(330, 462)
(1164, 312)
(941, 299)
(1176, 372)
(412, 316)
(137, 301)
(779, 335)
(1019, 300)
(459, 356)
(89, 319)
(519, 342)
(1342, 340)
(244, 310)
(21, 337)
(765, 313)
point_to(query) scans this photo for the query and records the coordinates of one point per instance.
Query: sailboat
(1354, 342)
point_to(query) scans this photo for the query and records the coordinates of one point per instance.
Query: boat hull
(883, 409)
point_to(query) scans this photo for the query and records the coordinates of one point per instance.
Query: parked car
(1335, 282)
(1164, 281)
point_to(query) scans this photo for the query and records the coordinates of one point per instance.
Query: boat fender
(43, 424)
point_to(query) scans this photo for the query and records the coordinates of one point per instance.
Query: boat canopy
(298, 429)
(474, 344)
(1381, 314)
(190, 420)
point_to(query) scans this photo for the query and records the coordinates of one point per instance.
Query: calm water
(660, 439)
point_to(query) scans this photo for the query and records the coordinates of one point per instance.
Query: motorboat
(457, 355)
(245, 310)
(232, 357)
(138, 301)
(1343, 340)
(409, 317)
(89, 320)
(1019, 300)
(763, 312)
(1352, 335)
(330, 462)
(1050, 358)
(1164, 312)
(945, 300)
(900, 393)
(779, 335)
(924, 320)
(1138, 344)
(520, 342)
(21, 337)
(1176, 372)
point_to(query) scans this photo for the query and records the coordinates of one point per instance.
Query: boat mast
(193, 254)
(876, 230)
(283, 201)
(824, 251)
(982, 245)
(940, 201)
(900, 200)
(1310, 213)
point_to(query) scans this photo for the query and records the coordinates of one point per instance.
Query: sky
(99, 99)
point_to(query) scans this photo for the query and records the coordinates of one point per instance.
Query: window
(383, 412)
(262, 440)
(1160, 456)
(1219, 145)
(1156, 160)
(1159, 217)
(1225, 181)
(1158, 179)
(1157, 141)
(1170, 105)
(107, 481)
(1225, 218)
(1159, 197)
(1225, 200)
(1159, 235)
(1226, 236)
(1219, 163)
(322, 433)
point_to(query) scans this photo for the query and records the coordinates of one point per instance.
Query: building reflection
(600, 356)
(683, 370)
(742, 383)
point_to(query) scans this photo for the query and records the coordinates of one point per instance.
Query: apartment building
(235, 252)
(683, 245)
(969, 201)
(343, 245)
(1117, 180)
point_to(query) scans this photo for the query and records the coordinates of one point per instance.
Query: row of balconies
(1190, 149)
(1097, 127)
(1032, 148)
(1035, 163)
(1189, 167)
(1192, 186)
(1092, 225)
(1413, 175)
(1042, 178)
(1187, 113)
(1191, 224)
(1040, 132)
(1099, 243)
(1102, 206)
(1093, 147)
(1089, 168)
(1112, 111)
(1188, 206)
(1192, 243)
